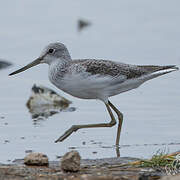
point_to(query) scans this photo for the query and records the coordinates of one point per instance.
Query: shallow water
(137, 32)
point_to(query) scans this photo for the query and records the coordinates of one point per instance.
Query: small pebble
(58, 157)
(36, 159)
(28, 151)
(71, 109)
(6, 141)
(71, 162)
(72, 147)
(94, 152)
(84, 143)
(82, 24)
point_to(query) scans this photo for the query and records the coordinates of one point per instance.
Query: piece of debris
(44, 102)
(36, 159)
(82, 24)
(4, 64)
(71, 162)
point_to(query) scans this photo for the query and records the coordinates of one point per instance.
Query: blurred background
(135, 32)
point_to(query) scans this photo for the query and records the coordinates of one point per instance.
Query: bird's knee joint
(74, 128)
(120, 116)
(112, 123)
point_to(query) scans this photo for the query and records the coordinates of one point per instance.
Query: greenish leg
(74, 128)
(120, 118)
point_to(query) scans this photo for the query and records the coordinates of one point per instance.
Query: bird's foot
(67, 133)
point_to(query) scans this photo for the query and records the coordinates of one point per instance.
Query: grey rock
(36, 159)
(83, 24)
(70, 162)
(4, 64)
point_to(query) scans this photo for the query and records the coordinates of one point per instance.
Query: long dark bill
(34, 63)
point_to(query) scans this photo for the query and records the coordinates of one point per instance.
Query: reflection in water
(44, 102)
(117, 151)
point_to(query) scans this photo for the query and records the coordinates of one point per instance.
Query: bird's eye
(50, 51)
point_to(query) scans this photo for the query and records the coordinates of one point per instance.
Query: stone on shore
(71, 162)
(36, 159)
(4, 64)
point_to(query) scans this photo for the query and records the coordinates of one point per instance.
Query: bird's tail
(155, 71)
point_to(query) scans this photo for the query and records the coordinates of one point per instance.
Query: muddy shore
(100, 169)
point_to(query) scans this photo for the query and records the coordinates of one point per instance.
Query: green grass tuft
(158, 160)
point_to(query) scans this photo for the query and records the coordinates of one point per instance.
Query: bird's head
(52, 52)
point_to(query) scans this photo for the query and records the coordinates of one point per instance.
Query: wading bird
(94, 79)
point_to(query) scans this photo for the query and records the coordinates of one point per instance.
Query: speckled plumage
(108, 68)
(111, 68)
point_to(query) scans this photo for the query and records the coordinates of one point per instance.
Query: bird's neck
(60, 63)
(58, 68)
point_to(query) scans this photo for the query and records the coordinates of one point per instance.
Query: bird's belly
(91, 88)
(87, 92)
(78, 90)
(123, 87)
(81, 92)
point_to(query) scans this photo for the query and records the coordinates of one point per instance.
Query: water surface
(136, 32)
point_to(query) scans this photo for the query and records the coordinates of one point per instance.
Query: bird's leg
(76, 127)
(120, 118)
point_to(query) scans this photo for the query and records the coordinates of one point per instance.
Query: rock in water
(82, 24)
(45, 102)
(4, 64)
(36, 159)
(71, 162)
